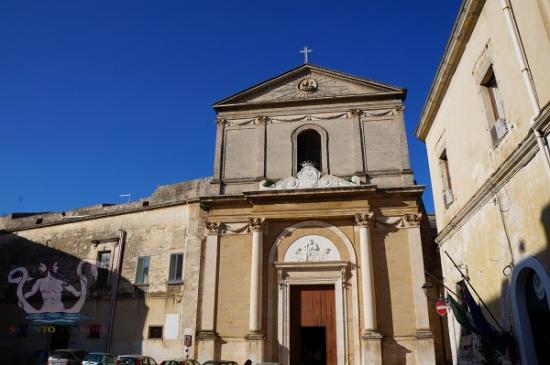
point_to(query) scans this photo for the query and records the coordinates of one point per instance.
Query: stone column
(208, 338)
(218, 157)
(255, 337)
(372, 340)
(261, 122)
(358, 138)
(425, 351)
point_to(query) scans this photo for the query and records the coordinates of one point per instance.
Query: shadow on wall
(523, 308)
(51, 299)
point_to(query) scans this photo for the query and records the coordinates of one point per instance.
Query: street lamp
(427, 287)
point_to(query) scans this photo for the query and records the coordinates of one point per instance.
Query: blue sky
(102, 98)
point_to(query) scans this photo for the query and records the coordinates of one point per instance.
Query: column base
(425, 349)
(255, 346)
(372, 348)
(208, 346)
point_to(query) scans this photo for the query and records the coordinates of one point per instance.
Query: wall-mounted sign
(172, 327)
(441, 307)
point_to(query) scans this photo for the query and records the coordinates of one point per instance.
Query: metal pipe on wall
(114, 287)
(521, 57)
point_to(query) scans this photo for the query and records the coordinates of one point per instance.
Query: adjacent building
(308, 244)
(485, 124)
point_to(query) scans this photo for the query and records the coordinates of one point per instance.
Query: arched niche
(304, 138)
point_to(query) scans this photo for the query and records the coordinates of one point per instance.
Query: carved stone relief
(312, 248)
(309, 178)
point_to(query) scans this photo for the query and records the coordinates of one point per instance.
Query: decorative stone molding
(411, 220)
(207, 335)
(235, 228)
(256, 224)
(307, 86)
(311, 248)
(354, 113)
(221, 121)
(364, 219)
(261, 119)
(213, 227)
(310, 178)
(424, 333)
(255, 336)
(371, 335)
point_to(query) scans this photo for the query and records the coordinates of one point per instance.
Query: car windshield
(80, 354)
(94, 357)
(127, 361)
(61, 355)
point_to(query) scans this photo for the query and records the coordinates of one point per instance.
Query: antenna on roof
(126, 196)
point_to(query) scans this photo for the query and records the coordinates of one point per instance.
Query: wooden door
(312, 325)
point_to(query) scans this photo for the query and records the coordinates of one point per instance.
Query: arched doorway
(531, 307)
(315, 274)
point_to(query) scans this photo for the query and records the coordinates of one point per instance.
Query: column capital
(261, 119)
(256, 224)
(354, 113)
(213, 228)
(364, 219)
(221, 121)
(411, 220)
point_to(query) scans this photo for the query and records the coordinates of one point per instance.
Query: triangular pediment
(309, 82)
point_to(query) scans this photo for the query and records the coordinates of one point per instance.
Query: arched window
(309, 148)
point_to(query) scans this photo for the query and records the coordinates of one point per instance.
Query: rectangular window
(495, 111)
(448, 196)
(176, 268)
(142, 272)
(104, 269)
(155, 332)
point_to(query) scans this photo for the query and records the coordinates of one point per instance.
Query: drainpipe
(114, 287)
(521, 57)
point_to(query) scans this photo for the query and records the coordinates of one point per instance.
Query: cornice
(460, 34)
(310, 101)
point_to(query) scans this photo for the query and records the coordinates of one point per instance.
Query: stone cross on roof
(306, 51)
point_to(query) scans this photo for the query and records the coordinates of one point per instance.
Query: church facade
(309, 243)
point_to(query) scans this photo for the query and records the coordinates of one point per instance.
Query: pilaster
(218, 156)
(359, 162)
(371, 339)
(425, 351)
(207, 338)
(255, 338)
(261, 123)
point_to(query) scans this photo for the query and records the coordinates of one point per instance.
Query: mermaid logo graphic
(51, 288)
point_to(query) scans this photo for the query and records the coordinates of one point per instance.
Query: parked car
(180, 362)
(39, 358)
(220, 362)
(99, 358)
(135, 360)
(66, 357)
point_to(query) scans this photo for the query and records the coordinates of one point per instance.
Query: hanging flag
(461, 315)
(496, 339)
